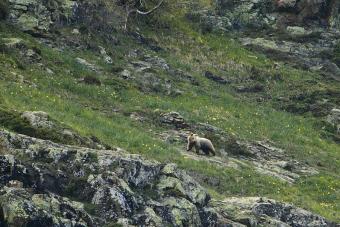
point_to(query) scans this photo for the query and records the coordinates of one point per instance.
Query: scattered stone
(180, 75)
(264, 45)
(334, 119)
(331, 70)
(151, 43)
(32, 56)
(174, 136)
(49, 71)
(15, 184)
(87, 64)
(157, 62)
(126, 74)
(105, 56)
(251, 88)
(211, 22)
(298, 32)
(28, 55)
(150, 82)
(216, 78)
(141, 66)
(135, 53)
(38, 119)
(174, 119)
(91, 80)
(10, 43)
(137, 117)
(29, 23)
(175, 92)
(75, 31)
(285, 4)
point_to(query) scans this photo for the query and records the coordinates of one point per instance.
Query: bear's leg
(206, 151)
(190, 146)
(197, 149)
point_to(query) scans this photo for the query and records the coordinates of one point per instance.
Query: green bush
(3, 9)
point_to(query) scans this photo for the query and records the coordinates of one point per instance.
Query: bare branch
(132, 8)
(151, 10)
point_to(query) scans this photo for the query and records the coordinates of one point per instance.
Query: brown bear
(200, 144)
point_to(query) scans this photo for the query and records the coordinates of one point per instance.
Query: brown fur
(200, 144)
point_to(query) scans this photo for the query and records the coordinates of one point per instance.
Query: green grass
(87, 109)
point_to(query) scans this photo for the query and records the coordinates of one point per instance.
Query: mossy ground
(87, 108)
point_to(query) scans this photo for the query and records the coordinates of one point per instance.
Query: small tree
(138, 7)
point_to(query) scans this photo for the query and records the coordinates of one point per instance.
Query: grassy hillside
(89, 108)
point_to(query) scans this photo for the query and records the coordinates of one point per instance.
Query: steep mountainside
(94, 118)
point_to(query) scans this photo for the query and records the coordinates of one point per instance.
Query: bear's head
(191, 141)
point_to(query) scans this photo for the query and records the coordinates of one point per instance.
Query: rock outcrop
(20, 207)
(39, 124)
(47, 184)
(299, 32)
(174, 119)
(257, 211)
(38, 17)
(269, 13)
(302, 34)
(110, 185)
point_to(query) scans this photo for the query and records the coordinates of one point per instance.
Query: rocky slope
(49, 184)
(300, 34)
(265, 158)
(114, 185)
(298, 31)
